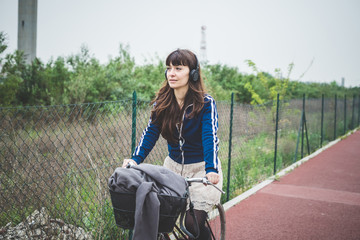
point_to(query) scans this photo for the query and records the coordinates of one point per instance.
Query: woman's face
(178, 76)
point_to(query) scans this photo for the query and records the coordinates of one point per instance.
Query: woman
(187, 118)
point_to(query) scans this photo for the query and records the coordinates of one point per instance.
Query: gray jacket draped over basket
(151, 185)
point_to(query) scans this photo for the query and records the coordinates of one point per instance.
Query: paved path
(318, 200)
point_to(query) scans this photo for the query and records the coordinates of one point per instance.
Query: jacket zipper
(181, 139)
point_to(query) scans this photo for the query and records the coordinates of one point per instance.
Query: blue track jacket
(200, 138)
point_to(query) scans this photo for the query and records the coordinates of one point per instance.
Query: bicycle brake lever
(207, 182)
(219, 189)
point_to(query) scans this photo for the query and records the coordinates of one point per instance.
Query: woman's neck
(180, 96)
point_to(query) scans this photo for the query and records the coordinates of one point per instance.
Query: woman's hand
(213, 177)
(128, 161)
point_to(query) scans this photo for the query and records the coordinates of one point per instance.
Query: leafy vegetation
(81, 78)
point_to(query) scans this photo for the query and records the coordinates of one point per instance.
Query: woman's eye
(178, 68)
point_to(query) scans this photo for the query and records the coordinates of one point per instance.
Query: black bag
(124, 210)
(170, 189)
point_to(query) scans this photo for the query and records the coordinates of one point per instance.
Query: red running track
(318, 200)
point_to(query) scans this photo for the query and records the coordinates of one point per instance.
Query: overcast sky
(322, 34)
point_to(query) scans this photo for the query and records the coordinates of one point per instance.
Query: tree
(222, 80)
(11, 75)
(265, 87)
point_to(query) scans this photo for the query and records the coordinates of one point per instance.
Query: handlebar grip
(130, 164)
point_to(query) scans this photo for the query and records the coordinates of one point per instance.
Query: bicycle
(174, 230)
(215, 222)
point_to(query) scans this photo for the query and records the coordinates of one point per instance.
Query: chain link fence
(55, 161)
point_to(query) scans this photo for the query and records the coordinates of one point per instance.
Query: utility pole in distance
(27, 28)
(203, 57)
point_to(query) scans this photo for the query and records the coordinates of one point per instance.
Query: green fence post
(302, 130)
(335, 117)
(322, 121)
(358, 123)
(353, 114)
(307, 136)
(298, 137)
(133, 127)
(230, 143)
(133, 136)
(345, 115)
(276, 130)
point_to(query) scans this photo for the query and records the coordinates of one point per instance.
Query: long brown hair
(166, 112)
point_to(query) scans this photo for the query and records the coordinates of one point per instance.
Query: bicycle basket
(124, 210)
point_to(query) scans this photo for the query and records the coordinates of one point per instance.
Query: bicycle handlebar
(204, 181)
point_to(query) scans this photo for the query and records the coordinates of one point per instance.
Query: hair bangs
(177, 58)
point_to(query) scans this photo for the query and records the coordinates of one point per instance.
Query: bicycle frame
(182, 233)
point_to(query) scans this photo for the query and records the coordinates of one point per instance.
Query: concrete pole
(203, 57)
(27, 27)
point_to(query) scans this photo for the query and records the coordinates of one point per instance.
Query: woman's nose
(171, 71)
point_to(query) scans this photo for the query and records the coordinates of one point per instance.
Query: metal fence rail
(55, 161)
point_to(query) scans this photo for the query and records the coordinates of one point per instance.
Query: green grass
(254, 164)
